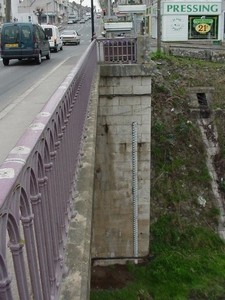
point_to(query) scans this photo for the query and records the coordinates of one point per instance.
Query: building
(41, 11)
(189, 20)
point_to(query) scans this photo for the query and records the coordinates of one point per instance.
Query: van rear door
(11, 40)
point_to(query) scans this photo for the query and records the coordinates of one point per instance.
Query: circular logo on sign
(177, 24)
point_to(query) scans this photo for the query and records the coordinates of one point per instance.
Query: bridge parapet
(123, 50)
(37, 184)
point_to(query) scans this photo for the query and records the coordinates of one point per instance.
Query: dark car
(23, 41)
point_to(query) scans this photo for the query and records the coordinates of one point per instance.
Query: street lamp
(92, 20)
(109, 8)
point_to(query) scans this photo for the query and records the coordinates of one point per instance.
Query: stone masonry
(124, 98)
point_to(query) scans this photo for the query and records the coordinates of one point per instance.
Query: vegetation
(187, 257)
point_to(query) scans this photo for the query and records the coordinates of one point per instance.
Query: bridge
(76, 187)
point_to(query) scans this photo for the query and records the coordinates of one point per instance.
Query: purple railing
(37, 184)
(117, 50)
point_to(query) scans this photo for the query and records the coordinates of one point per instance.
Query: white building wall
(175, 15)
(175, 28)
(23, 9)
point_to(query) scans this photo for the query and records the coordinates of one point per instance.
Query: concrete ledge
(120, 70)
(76, 285)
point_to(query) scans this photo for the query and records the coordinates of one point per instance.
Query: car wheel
(5, 61)
(48, 56)
(38, 59)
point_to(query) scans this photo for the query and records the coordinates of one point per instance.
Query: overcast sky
(88, 3)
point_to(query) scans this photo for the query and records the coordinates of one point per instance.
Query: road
(25, 87)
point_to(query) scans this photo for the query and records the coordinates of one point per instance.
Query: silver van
(23, 41)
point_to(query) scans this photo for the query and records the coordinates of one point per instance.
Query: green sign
(192, 8)
(202, 21)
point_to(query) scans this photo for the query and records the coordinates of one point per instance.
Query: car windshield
(68, 32)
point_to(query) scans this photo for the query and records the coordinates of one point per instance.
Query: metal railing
(37, 185)
(117, 50)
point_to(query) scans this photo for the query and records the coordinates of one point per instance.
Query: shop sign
(202, 26)
(192, 8)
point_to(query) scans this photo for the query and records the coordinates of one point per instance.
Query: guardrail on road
(36, 190)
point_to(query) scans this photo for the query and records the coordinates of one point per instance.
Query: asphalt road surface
(25, 87)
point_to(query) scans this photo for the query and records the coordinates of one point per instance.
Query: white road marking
(7, 109)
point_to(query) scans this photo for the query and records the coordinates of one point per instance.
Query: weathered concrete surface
(125, 97)
(205, 50)
(76, 285)
(119, 70)
(144, 47)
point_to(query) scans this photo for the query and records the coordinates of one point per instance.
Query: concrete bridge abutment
(121, 209)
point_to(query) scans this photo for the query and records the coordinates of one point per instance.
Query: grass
(187, 255)
(188, 263)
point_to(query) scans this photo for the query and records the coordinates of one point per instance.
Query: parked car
(54, 38)
(82, 21)
(70, 36)
(23, 41)
(70, 22)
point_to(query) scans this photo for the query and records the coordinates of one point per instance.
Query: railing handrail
(117, 50)
(36, 184)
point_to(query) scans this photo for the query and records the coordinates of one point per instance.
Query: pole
(8, 11)
(92, 21)
(109, 8)
(158, 25)
(47, 17)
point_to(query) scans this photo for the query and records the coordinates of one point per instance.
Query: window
(11, 34)
(203, 27)
(26, 33)
(48, 32)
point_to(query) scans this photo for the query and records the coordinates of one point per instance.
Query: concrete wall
(124, 98)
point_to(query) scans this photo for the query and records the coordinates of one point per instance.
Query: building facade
(189, 20)
(37, 11)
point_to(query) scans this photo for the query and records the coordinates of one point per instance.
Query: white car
(70, 37)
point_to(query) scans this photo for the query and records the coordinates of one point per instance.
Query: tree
(39, 12)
